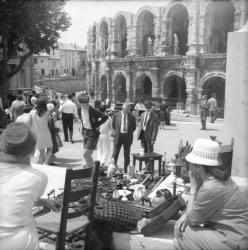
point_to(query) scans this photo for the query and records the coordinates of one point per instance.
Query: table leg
(159, 167)
(140, 165)
(134, 161)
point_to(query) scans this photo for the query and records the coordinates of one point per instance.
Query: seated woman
(217, 212)
(21, 189)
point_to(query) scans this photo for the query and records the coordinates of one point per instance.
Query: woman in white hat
(217, 211)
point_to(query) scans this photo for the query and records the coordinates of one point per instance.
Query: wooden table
(148, 157)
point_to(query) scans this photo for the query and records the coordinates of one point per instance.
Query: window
(52, 72)
(41, 60)
(42, 72)
(57, 72)
(35, 60)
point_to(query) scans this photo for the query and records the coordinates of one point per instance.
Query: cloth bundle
(119, 215)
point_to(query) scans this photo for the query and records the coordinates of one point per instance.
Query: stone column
(244, 12)
(129, 85)
(109, 82)
(193, 37)
(190, 75)
(155, 82)
(236, 103)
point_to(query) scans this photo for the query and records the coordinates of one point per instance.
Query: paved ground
(167, 141)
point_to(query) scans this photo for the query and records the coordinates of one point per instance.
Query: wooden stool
(148, 157)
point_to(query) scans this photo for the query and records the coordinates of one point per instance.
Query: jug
(139, 192)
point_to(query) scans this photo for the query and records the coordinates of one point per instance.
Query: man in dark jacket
(91, 120)
(148, 128)
(124, 124)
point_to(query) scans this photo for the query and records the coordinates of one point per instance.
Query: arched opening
(103, 88)
(145, 34)
(216, 85)
(219, 20)
(104, 35)
(143, 88)
(120, 88)
(177, 29)
(120, 33)
(174, 90)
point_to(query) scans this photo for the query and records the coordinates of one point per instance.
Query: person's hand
(195, 182)
(180, 226)
(54, 205)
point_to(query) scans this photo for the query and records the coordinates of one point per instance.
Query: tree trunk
(4, 68)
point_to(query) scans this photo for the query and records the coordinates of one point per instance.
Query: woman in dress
(40, 127)
(103, 144)
(21, 189)
(217, 210)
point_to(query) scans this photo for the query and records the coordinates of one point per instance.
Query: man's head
(126, 108)
(84, 100)
(213, 95)
(148, 105)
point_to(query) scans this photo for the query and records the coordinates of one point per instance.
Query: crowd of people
(217, 211)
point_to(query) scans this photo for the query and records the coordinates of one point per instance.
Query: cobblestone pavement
(167, 141)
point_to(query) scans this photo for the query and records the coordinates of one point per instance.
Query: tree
(26, 28)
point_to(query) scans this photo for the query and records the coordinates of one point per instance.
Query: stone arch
(218, 21)
(104, 37)
(174, 90)
(120, 87)
(177, 25)
(145, 33)
(143, 86)
(103, 87)
(120, 36)
(214, 82)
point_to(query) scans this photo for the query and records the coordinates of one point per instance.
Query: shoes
(66, 140)
(203, 129)
(71, 141)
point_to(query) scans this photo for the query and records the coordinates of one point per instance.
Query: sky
(85, 13)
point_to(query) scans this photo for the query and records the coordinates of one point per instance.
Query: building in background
(68, 60)
(176, 51)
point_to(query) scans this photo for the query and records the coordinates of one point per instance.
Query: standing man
(213, 107)
(124, 124)
(17, 107)
(203, 111)
(148, 127)
(91, 120)
(68, 110)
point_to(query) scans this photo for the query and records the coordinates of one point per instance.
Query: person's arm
(75, 111)
(155, 128)
(103, 118)
(54, 205)
(61, 108)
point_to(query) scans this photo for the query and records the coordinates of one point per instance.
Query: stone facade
(176, 51)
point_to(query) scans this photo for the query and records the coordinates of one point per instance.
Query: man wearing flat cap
(91, 120)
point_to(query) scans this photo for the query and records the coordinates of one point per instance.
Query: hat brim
(202, 161)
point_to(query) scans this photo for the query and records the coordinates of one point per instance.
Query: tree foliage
(28, 27)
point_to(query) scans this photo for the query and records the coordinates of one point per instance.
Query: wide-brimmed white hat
(205, 152)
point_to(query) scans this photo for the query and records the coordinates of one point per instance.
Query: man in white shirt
(68, 110)
(91, 120)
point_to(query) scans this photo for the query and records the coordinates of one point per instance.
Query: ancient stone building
(176, 51)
